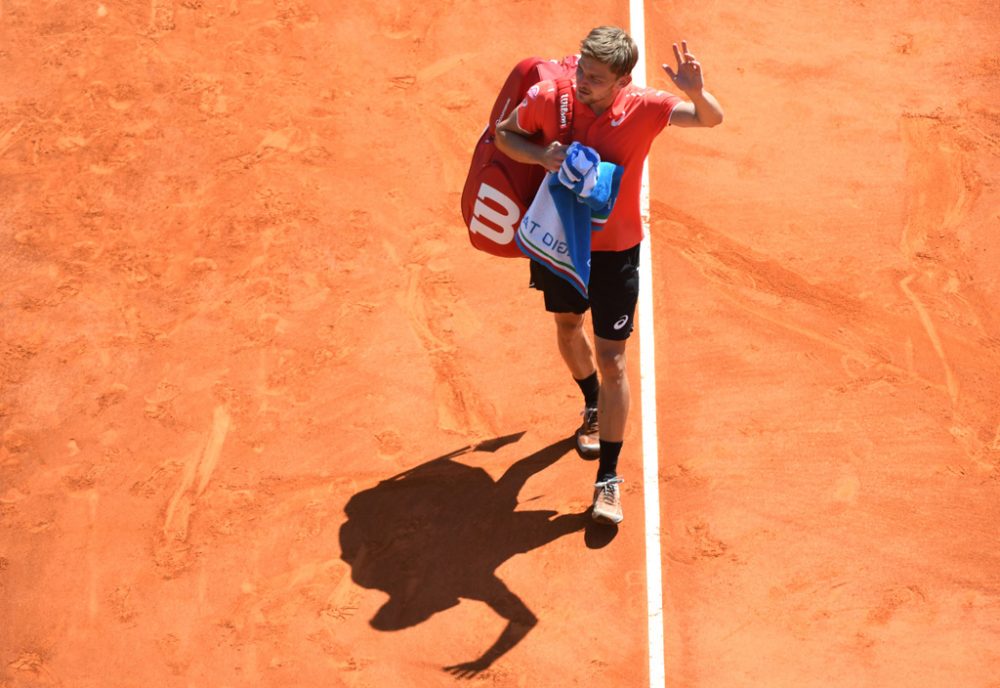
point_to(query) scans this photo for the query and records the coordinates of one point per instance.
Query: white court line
(647, 376)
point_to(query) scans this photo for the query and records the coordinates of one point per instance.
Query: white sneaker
(608, 501)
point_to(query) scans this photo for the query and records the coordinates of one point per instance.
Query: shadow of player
(438, 532)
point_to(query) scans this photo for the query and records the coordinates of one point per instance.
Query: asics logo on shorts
(621, 322)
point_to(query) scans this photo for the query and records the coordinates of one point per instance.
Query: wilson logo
(563, 110)
(495, 215)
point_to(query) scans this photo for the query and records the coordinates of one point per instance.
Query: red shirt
(622, 135)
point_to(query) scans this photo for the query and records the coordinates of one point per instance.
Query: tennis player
(619, 120)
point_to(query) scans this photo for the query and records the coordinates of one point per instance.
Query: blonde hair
(611, 46)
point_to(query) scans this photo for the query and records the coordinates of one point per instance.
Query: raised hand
(688, 76)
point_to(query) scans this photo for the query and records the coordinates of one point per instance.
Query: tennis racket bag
(498, 190)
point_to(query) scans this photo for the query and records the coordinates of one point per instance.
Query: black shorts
(613, 289)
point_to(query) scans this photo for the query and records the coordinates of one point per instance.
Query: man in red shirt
(619, 120)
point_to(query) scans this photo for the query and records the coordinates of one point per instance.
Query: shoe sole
(600, 518)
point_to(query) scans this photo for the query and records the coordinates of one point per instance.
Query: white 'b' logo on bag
(505, 218)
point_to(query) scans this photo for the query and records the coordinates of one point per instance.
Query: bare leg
(574, 345)
(613, 404)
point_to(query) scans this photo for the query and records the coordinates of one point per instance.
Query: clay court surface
(268, 419)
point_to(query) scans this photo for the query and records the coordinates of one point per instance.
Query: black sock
(590, 388)
(608, 466)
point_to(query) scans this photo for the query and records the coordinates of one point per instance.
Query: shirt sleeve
(537, 107)
(664, 103)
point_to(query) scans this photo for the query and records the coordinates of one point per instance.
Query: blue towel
(578, 169)
(569, 205)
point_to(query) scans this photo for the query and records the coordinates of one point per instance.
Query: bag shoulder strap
(565, 99)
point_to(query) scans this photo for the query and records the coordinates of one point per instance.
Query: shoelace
(589, 418)
(607, 489)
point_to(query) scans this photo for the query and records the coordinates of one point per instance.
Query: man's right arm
(513, 142)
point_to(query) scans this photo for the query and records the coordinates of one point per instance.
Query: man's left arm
(703, 110)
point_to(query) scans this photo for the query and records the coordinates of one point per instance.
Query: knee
(569, 325)
(611, 363)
